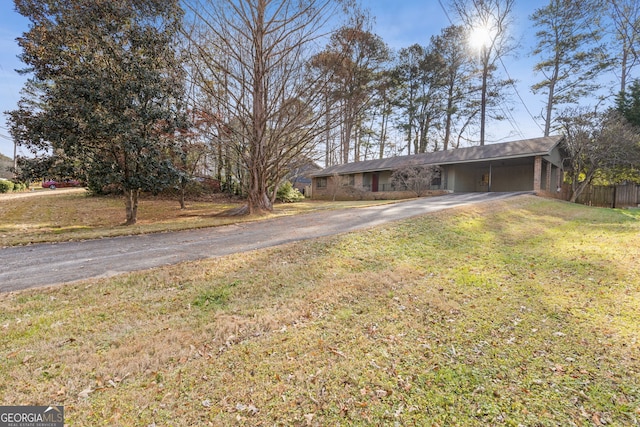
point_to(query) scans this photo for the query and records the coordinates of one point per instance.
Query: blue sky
(400, 23)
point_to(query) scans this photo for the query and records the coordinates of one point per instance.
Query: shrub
(19, 186)
(6, 186)
(288, 194)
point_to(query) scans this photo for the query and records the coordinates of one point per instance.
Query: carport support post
(490, 173)
(537, 173)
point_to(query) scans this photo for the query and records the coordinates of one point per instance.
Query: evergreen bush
(6, 186)
(288, 194)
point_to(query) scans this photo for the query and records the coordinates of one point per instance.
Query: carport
(537, 173)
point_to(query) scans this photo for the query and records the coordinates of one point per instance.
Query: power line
(518, 94)
(445, 12)
(512, 121)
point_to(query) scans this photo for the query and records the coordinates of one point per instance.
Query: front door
(374, 183)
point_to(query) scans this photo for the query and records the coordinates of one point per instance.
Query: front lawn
(520, 312)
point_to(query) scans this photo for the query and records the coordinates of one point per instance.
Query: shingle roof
(506, 150)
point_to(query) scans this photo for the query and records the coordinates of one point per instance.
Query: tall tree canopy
(625, 20)
(352, 64)
(570, 50)
(449, 46)
(111, 88)
(488, 23)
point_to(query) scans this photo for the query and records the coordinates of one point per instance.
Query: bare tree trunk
(131, 204)
(483, 97)
(550, 98)
(327, 131)
(577, 190)
(258, 199)
(447, 126)
(409, 137)
(348, 130)
(383, 130)
(357, 141)
(183, 205)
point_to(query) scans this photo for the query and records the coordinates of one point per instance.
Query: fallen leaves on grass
(390, 326)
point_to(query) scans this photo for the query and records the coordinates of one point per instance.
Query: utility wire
(445, 12)
(520, 97)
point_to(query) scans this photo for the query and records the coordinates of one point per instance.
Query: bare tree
(487, 22)
(252, 57)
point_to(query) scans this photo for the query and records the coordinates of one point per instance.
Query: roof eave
(454, 162)
(547, 152)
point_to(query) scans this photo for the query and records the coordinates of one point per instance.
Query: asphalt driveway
(30, 266)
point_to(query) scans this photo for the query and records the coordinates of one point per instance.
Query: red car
(53, 184)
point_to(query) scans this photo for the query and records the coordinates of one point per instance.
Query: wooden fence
(618, 196)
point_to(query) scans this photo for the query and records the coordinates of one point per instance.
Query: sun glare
(481, 37)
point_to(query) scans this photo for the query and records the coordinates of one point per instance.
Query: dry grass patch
(522, 312)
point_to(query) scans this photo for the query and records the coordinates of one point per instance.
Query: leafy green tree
(628, 103)
(111, 87)
(420, 98)
(411, 61)
(30, 169)
(39, 167)
(387, 89)
(571, 53)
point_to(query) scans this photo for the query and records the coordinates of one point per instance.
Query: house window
(321, 182)
(348, 180)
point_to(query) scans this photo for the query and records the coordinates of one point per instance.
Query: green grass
(522, 312)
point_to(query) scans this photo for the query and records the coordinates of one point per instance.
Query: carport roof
(506, 150)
